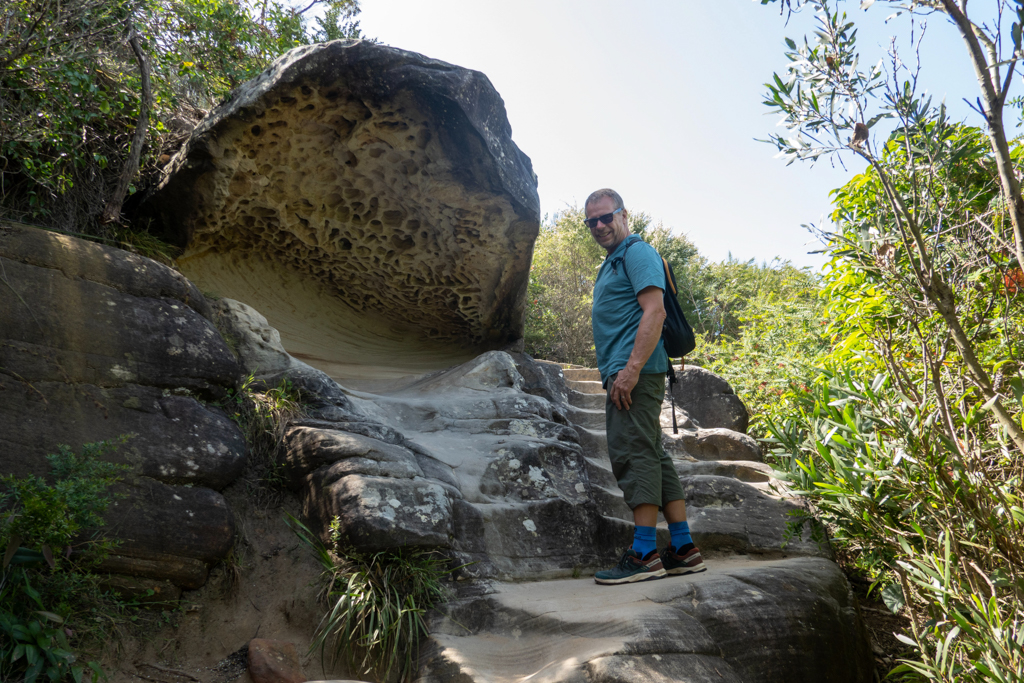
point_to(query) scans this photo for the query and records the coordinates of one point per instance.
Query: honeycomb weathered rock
(385, 182)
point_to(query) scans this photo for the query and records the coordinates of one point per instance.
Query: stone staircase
(762, 612)
(713, 452)
(586, 400)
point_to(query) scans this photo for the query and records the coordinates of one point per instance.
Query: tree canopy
(72, 90)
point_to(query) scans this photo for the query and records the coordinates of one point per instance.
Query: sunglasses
(606, 219)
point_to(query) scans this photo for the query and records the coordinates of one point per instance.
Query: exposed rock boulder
(168, 532)
(542, 378)
(178, 440)
(462, 460)
(773, 621)
(727, 514)
(709, 400)
(714, 444)
(377, 513)
(369, 201)
(95, 343)
(274, 661)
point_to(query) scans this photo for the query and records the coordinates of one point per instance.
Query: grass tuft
(376, 603)
(262, 414)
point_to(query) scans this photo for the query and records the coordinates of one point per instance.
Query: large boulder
(709, 400)
(96, 343)
(713, 444)
(168, 532)
(368, 201)
(729, 514)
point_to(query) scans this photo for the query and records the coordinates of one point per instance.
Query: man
(627, 317)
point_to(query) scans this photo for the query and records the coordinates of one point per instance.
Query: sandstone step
(742, 620)
(730, 515)
(582, 374)
(594, 442)
(589, 401)
(599, 471)
(611, 503)
(585, 386)
(585, 417)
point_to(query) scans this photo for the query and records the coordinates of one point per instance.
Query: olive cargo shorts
(643, 470)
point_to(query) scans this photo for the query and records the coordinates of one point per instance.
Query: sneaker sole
(635, 578)
(688, 570)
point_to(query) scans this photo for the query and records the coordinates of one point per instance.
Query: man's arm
(652, 301)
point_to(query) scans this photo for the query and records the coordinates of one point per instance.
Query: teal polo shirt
(616, 312)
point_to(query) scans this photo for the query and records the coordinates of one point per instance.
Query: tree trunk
(992, 98)
(113, 211)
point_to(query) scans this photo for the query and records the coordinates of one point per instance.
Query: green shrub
(765, 327)
(377, 603)
(937, 525)
(46, 531)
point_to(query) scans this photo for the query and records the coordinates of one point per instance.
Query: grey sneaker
(689, 562)
(632, 568)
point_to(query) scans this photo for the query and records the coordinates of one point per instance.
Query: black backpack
(676, 332)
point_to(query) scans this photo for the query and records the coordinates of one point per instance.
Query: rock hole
(403, 242)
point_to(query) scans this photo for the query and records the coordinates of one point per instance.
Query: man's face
(608, 235)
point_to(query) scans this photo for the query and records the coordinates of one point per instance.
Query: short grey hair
(604, 192)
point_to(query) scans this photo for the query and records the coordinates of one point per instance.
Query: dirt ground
(882, 626)
(269, 590)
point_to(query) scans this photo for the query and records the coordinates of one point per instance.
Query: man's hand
(622, 387)
(652, 303)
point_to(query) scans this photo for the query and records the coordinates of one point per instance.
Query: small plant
(377, 602)
(144, 244)
(261, 414)
(44, 532)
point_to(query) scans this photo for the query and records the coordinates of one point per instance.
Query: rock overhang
(369, 201)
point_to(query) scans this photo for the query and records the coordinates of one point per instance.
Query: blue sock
(680, 534)
(644, 539)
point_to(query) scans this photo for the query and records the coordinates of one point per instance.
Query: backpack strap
(669, 280)
(630, 241)
(671, 396)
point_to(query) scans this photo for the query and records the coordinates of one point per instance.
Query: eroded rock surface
(709, 400)
(463, 460)
(742, 620)
(258, 348)
(370, 200)
(95, 343)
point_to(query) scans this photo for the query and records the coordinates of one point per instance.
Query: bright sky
(659, 99)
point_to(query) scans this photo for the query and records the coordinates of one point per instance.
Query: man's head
(607, 218)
